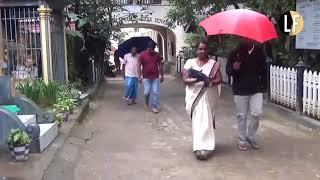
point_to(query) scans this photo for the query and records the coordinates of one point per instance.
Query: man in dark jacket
(247, 65)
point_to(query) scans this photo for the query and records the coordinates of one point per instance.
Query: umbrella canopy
(140, 43)
(241, 22)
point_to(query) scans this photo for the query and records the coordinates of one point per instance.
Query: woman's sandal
(202, 154)
(242, 147)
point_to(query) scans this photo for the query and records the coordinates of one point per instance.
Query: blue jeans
(131, 88)
(151, 88)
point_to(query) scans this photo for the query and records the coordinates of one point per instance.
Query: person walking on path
(247, 65)
(130, 75)
(201, 98)
(150, 72)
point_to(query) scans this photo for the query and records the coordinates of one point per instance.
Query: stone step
(27, 119)
(84, 96)
(47, 133)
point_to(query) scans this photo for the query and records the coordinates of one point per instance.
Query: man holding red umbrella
(247, 66)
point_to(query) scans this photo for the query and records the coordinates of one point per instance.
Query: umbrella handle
(238, 58)
(220, 41)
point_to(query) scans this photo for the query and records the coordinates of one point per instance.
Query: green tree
(183, 11)
(187, 11)
(97, 17)
(96, 25)
(281, 50)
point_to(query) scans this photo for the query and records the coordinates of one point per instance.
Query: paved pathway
(116, 142)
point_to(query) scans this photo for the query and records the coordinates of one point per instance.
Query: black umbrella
(140, 43)
(197, 75)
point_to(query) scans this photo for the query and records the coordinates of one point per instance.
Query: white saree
(204, 111)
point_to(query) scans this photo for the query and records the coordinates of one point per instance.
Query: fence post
(301, 66)
(269, 63)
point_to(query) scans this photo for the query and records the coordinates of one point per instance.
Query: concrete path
(119, 142)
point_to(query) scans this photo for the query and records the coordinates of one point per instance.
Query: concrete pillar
(1, 50)
(45, 37)
(160, 44)
(65, 51)
(301, 66)
(172, 50)
(269, 63)
(181, 37)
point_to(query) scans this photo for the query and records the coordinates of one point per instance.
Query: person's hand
(140, 80)
(215, 82)
(236, 65)
(161, 79)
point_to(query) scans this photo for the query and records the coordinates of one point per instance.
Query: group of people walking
(146, 68)
(202, 76)
(246, 64)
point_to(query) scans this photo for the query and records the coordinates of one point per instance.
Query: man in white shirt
(130, 74)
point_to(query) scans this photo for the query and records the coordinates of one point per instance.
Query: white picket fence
(311, 93)
(283, 85)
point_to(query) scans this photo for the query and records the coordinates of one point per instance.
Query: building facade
(151, 14)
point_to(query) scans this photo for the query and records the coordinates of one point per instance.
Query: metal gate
(20, 51)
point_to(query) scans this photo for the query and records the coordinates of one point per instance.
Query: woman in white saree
(201, 97)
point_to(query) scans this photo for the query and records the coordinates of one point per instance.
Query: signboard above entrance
(146, 19)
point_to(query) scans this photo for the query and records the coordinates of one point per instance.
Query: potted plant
(18, 142)
(64, 106)
(62, 110)
(72, 103)
(77, 96)
(67, 99)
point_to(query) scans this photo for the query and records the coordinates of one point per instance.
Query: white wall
(160, 12)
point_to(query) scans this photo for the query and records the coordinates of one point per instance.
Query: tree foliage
(281, 50)
(95, 25)
(96, 17)
(193, 11)
(186, 10)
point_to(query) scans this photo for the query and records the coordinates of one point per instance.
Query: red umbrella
(241, 22)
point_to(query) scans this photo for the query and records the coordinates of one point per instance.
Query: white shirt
(131, 65)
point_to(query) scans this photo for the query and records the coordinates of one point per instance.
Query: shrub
(18, 138)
